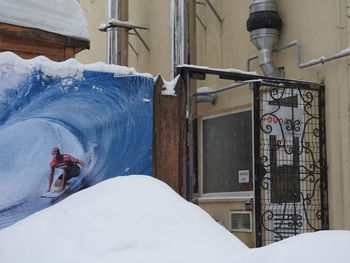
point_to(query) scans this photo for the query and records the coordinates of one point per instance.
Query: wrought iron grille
(290, 160)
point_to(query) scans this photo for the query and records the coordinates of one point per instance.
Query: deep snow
(125, 219)
(140, 219)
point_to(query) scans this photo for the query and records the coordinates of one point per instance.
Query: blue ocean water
(101, 118)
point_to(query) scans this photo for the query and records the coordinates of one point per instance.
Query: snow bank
(140, 219)
(125, 219)
(64, 17)
(320, 247)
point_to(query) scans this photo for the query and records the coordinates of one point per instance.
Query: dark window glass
(227, 151)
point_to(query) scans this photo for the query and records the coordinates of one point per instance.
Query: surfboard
(52, 194)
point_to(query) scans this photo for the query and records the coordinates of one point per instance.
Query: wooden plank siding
(169, 137)
(30, 43)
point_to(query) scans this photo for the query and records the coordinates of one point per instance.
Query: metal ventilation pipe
(113, 35)
(117, 36)
(264, 25)
(178, 34)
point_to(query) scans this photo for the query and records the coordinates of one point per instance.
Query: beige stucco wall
(220, 210)
(320, 26)
(223, 45)
(322, 29)
(95, 13)
(153, 14)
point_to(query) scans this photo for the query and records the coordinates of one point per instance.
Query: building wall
(95, 14)
(320, 26)
(322, 29)
(220, 210)
(153, 14)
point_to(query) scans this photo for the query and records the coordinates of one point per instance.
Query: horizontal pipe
(343, 53)
(312, 62)
(236, 85)
(323, 60)
(206, 98)
(115, 23)
(125, 24)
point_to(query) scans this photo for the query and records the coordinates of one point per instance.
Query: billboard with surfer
(99, 118)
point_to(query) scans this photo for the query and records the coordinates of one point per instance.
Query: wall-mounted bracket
(114, 23)
(213, 9)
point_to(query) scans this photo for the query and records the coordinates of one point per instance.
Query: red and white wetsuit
(66, 160)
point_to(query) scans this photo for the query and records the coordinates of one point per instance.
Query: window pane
(227, 150)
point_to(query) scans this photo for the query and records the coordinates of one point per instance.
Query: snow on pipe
(322, 59)
(206, 94)
(126, 25)
(202, 91)
(264, 25)
(113, 35)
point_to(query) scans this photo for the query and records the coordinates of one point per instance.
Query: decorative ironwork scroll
(290, 160)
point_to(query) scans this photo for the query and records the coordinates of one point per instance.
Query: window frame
(241, 212)
(224, 195)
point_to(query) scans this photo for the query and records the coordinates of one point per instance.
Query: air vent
(241, 221)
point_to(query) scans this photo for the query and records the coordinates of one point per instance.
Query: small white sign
(283, 121)
(243, 176)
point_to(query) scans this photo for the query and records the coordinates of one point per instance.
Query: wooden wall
(30, 43)
(169, 136)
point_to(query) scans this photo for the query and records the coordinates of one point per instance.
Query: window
(241, 221)
(227, 153)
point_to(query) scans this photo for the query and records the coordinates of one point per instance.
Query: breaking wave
(101, 118)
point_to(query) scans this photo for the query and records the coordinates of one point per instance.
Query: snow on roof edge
(64, 17)
(230, 70)
(68, 68)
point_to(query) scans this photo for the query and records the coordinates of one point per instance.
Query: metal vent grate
(241, 221)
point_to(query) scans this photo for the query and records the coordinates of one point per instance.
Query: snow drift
(124, 219)
(137, 218)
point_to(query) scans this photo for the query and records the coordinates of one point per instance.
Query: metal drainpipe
(113, 34)
(264, 25)
(178, 34)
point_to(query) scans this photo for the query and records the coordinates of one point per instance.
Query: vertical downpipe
(178, 34)
(113, 34)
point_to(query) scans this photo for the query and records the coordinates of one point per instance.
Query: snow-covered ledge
(64, 17)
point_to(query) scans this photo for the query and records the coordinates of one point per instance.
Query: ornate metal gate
(290, 160)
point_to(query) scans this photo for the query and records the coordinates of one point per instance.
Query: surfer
(68, 164)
